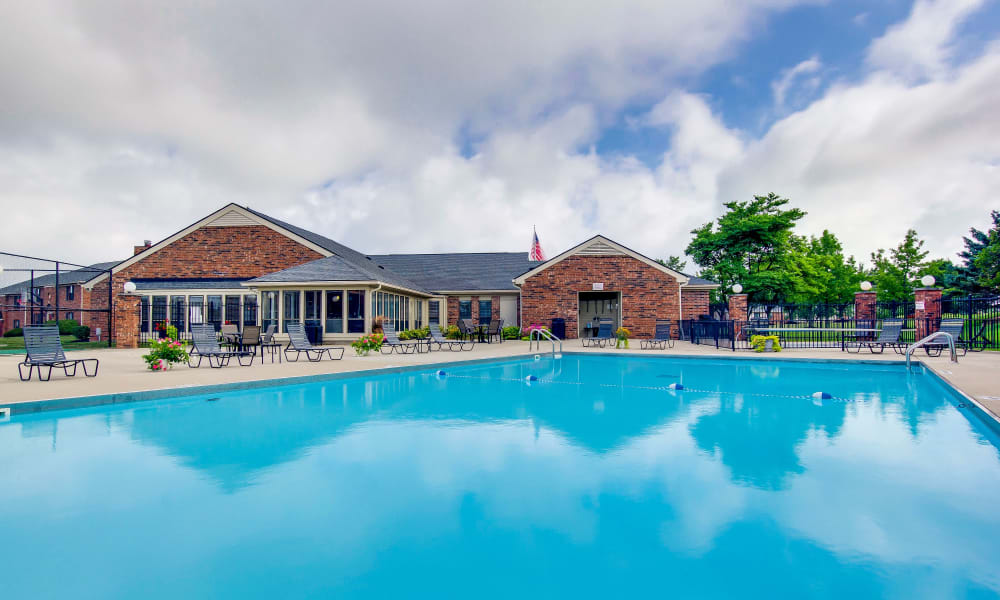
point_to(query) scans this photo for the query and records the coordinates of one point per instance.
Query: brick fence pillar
(927, 313)
(738, 312)
(864, 312)
(126, 321)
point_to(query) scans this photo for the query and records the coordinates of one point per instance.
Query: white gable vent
(232, 219)
(599, 248)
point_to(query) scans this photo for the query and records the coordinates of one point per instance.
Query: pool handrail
(544, 333)
(929, 339)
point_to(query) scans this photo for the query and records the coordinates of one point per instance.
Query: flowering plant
(164, 353)
(623, 335)
(368, 343)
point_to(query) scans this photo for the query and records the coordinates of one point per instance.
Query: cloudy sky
(444, 126)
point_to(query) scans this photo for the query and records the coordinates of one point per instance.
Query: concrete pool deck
(122, 371)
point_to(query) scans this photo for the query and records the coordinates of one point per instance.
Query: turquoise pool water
(595, 481)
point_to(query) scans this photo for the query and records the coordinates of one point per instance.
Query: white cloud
(919, 47)
(788, 78)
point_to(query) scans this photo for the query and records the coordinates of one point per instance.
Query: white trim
(205, 222)
(600, 241)
(260, 285)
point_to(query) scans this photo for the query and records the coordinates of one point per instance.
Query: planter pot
(768, 345)
(620, 342)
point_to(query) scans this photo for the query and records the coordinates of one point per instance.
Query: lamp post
(927, 280)
(737, 288)
(866, 286)
(129, 287)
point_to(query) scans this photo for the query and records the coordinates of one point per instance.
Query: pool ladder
(542, 333)
(927, 340)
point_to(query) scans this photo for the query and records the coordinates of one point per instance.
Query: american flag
(536, 248)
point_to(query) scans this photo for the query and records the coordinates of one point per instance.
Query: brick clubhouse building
(241, 266)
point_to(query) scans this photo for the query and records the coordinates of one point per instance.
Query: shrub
(16, 332)
(367, 343)
(451, 332)
(81, 332)
(759, 342)
(511, 333)
(164, 354)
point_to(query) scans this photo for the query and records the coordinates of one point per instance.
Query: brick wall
(647, 293)
(694, 303)
(127, 321)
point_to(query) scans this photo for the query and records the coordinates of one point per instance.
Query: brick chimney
(138, 249)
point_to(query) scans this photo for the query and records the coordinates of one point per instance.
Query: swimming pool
(595, 480)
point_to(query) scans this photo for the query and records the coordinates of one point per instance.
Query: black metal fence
(982, 319)
(158, 313)
(35, 290)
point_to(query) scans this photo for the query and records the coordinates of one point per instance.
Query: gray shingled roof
(460, 271)
(351, 266)
(692, 280)
(79, 275)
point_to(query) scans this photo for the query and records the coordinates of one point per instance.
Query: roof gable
(600, 246)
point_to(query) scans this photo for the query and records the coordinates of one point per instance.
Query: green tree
(820, 272)
(750, 244)
(897, 273)
(673, 262)
(976, 275)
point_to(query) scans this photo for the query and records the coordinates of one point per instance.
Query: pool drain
(211, 399)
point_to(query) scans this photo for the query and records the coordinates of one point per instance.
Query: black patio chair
(954, 327)
(299, 343)
(604, 335)
(44, 349)
(661, 337)
(887, 336)
(394, 344)
(269, 343)
(465, 329)
(205, 344)
(441, 341)
(495, 330)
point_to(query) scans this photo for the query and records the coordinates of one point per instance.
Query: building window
(214, 313)
(249, 310)
(17, 323)
(418, 314)
(269, 310)
(144, 314)
(356, 311)
(434, 312)
(233, 310)
(334, 311)
(465, 309)
(292, 309)
(196, 310)
(178, 311)
(69, 316)
(485, 311)
(313, 316)
(159, 312)
(70, 292)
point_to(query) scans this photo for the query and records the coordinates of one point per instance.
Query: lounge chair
(661, 337)
(954, 327)
(206, 345)
(887, 336)
(441, 341)
(604, 335)
(44, 349)
(979, 340)
(394, 344)
(495, 329)
(299, 343)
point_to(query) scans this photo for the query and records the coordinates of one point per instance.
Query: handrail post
(928, 339)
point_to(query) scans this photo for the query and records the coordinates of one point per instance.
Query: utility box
(558, 328)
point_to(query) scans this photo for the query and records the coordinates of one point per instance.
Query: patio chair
(661, 337)
(230, 335)
(251, 339)
(954, 327)
(205, 344)
(604, 335)
(495, 329)
(887, 336)
(392, 341)
(44, 349)
(441, 341)
(465, 328)
(299, 343)
(269, 343)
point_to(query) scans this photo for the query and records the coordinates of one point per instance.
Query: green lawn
(69, 343)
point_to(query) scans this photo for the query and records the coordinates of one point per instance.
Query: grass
(69, 343)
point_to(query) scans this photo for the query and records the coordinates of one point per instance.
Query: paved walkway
(976, 374)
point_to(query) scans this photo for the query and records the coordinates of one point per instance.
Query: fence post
(927, 310)
(126, 321)
(738, 307)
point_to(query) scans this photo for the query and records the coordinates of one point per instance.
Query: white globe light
(737, 288)
(927, 280)
(129, 287)
(866, 286)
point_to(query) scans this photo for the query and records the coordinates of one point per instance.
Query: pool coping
(74, 402)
